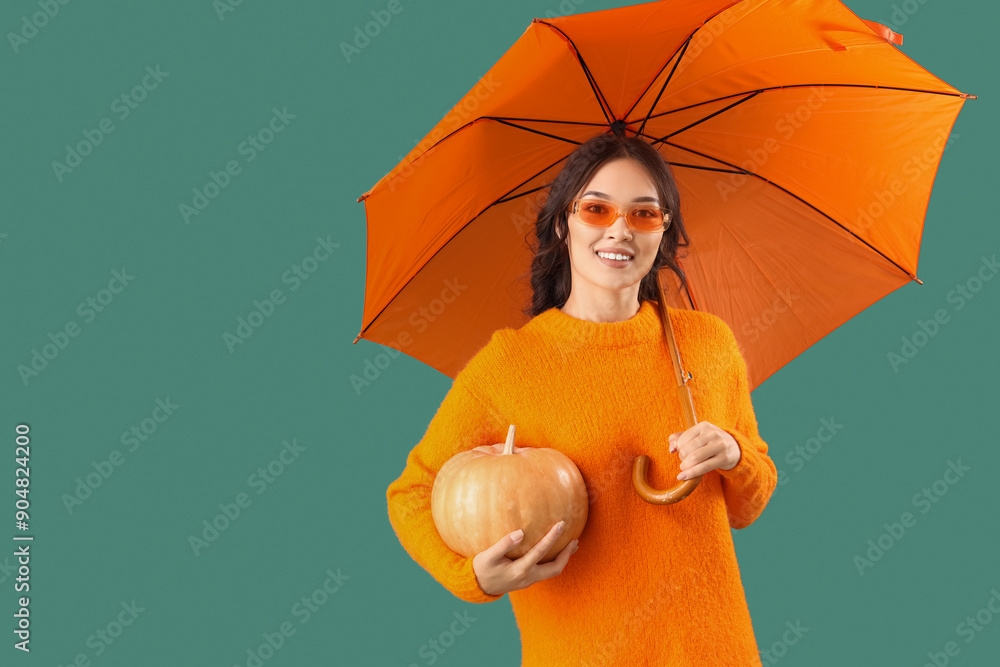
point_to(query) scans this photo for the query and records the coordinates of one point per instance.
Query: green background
(161, 337)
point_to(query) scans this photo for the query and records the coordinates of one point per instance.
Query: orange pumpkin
(484, 493)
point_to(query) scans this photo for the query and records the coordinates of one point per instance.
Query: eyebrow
(606, 196)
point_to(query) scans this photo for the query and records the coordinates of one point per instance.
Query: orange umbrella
(804, 144)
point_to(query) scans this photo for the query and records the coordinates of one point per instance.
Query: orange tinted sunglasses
(602, 213)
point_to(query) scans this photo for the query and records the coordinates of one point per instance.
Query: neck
(611, 309)
(570, 332)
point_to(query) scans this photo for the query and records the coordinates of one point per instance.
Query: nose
(620, 228)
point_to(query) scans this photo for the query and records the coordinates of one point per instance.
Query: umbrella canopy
(803, 142)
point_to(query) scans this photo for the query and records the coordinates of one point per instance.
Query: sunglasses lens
(595, 213)
(646, 219)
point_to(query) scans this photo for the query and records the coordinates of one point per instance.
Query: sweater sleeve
(748, 486)
(463, 421)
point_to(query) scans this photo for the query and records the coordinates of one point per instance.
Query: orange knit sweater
(653, 585)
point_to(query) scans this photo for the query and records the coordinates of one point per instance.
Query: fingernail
(576, 544)
(562, 525)
(517, 535)
(682, 475)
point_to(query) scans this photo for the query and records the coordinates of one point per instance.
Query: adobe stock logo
(959, 296)
(105, 636)
(923, 500)
(88, 309)
(250, 148)
(765, 319)
(223, 7)
(434, 648)
(969, 628)
(807, 451)
(37, 21)
(420, 319)
(295, 275)
(229, 512)
(362, 38)
(786, 126)
(103, 469)
(122, 106)
(565, 8)
(779, 649)
(304, 609)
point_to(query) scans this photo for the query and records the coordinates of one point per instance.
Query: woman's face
(624, 182)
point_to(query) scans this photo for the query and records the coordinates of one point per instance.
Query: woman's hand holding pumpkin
(498, 574)
(704, 447)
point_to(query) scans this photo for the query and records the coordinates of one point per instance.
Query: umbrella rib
(703, 119)
(809, 85)
(651, 81)
(686, 43)
(528, 129)
(698, 104)
(544, 120)
(605, 107)
(789, 192)
(664, 86)
(504, 119)
(505, 198)
(704, 168)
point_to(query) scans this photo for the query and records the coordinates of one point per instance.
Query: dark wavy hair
(550, 267)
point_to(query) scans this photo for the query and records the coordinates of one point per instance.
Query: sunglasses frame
(575, 204)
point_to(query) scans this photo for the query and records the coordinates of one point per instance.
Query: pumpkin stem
(508, 447)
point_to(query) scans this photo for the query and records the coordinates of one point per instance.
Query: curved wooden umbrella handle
(641, 465)
(654, 496)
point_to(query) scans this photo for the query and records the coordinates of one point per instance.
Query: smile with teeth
(611, 255)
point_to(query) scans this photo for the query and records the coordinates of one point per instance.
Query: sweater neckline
(643, 327)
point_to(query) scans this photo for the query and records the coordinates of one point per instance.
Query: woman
(590, 375)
